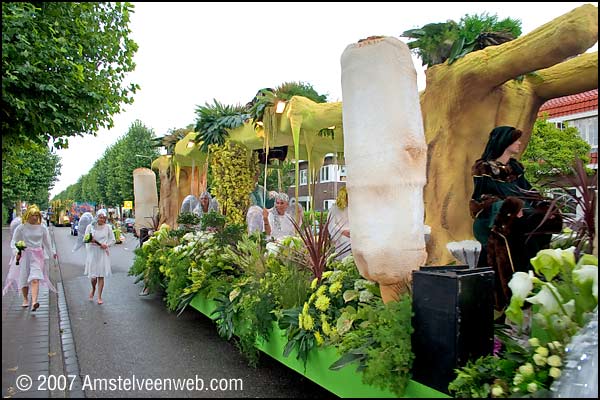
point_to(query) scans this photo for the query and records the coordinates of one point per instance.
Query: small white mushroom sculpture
(466, 251)
(385, 151)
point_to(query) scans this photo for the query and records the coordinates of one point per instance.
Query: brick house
(331, 177)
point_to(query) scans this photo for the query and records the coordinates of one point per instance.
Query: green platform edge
(345, 382)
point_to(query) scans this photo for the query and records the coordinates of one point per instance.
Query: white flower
(188, 236)
(497, 391)
(539, 359)
(555, 372)
(365, 296)
(534, 342)
(554, 361)
(272, 248)
(546, 299)
(587, 273)
(521, 284)
(526, 369)
(532, 387)
(542, 351)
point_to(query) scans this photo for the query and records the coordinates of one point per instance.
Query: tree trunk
(463, 102)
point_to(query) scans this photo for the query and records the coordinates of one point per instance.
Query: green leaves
(437, 42)
(63, 69)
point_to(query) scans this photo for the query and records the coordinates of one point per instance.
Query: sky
(192, 53)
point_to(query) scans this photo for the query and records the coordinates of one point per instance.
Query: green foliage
(575, 192)
(63, 69)
(552, 151)
(214, 120)
(475, 380)
(110, 180)
(232, 180)
(381, 344)
(437, 42)
(30, 176)
(214, 220)
(284, 92)
(188, 218)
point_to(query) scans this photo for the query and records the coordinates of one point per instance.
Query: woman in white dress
(97, 262)
(32, 269)
(339, 226)
(277, 222)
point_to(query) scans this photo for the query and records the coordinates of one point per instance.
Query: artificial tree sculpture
(499, 85)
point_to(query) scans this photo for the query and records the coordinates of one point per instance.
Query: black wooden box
(453, 321)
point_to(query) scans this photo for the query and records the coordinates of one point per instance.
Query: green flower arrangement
(330, 309)
(20, 245)
(561, 292)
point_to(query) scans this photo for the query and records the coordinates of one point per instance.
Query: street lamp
(141, 155)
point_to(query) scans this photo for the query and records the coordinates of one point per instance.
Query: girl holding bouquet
(98, 238)
(31, 247)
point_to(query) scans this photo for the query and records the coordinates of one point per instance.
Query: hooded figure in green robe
(494, 182)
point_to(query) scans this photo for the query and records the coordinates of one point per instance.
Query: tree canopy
(551, 151)
(31, 180)
(110, 180)
(64, 67)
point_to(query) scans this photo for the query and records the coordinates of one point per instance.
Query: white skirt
(97, 262)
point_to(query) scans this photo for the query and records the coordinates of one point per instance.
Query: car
(75, 228)
(128, 225)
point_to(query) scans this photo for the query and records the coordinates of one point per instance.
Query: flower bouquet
(20, 245)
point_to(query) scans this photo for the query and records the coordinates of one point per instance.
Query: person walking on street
(98, 237)
(32, 247)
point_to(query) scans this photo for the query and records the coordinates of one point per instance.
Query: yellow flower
(322, 303)
(534, 342)
(300, 319)
(542, 351)
(532, 387)
(327, 274)
(538, 359)
(555, 372)
(321, 290)
(497, 391)
(326, 328)
(308, 322)
(305, 308)
(554, 361)
(526, 369)
(319, 338)
(313, 284)
(335, 287)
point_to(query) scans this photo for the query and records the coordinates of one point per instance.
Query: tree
(464, 101)
(63, 70)
(551, 151)
(31, 180)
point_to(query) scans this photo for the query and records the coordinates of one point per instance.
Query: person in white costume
(339, 226)
(277, 222)
(206, 205)
(32, 269)
(97, 262)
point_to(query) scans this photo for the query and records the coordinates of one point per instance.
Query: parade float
(348, 326)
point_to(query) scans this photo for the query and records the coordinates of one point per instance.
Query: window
(303, 179)
(588, 129)
(304, 201)
(326, 173)
(327, 204)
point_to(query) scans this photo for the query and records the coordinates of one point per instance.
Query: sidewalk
(38, 357)
(25, 347)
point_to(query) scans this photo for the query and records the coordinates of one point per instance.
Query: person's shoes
(35, 306)
(25, 305)
(100, 301)
(145, 292)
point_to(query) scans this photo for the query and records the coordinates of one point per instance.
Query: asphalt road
(131, 338)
